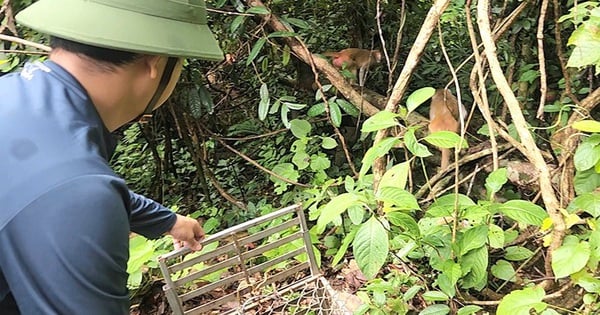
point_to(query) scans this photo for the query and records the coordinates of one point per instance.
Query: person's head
(152, 36)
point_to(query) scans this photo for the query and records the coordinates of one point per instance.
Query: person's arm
(148, 217)
(152, 220)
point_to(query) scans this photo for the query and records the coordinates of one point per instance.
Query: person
(65, 216)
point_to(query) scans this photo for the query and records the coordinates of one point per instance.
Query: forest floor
(344, 282)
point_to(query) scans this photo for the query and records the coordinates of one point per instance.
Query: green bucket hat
(158, 27)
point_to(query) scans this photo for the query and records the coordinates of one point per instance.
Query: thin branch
(25, 42)
(542, 59)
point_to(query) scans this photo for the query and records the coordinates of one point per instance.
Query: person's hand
(186, 232)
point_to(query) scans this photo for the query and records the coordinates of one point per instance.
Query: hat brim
(104, 26)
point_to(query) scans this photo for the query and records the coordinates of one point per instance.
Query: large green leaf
(371, 247)
(495, 181)
(400, 198)
(517, 253)
(381, 120)
(473, 238)
(524, 211)
(378, 150)
(446, 139)
(588, 202)
(570, 258)
(396, 176)
(344, 247)
(586, 156)
(404, 221)
(334, 208)
(335, 113)
(475, 264)
(418, 97)
(300, 128)
(504, 270)
(416, 148)
(520, 302)
(587, 125)
(469, 310)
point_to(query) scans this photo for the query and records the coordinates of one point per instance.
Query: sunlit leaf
(446, 139)
(520, 302)
(524, 211)
(587, 125)
(263, 106)
(334, 208)
(570, 258)
(381, 120)
(371, 247)
(418, 97)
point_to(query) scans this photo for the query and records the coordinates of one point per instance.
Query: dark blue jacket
(64, 215)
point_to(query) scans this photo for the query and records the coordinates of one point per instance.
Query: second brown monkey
(444, 116)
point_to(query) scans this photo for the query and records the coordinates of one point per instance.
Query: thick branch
(412, 60)
(532, 151)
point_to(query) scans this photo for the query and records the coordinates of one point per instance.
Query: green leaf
(280, 34)
(586, 156)
(402, 199)
(263, 106)
(371, 247)
(356, 214)
(335, 113)
(319, 162)
(414, 146)
(495, 181)
(496, 236)
(344, 247)
(587, 46)
(520, 302)
(258, 10)
(404, 221)
(504, 270)
(446, 139)
(301, 159)
(334, 208)
(236, 23)
(587, 125)
(517, 253)
(383, 119)
(586, 181)
(348, 107)
(396, 176)
(469, 310)
(316, 110)
(295, 106)
(473, 238)
(436, 309)
(300, 128)
(418, 97)
(378, 150)
(255, 50)
(587, 281)
(284, 116)
(328, 143)
(524, 211)
(435, 296)
(570, 258)
(588, 202)
(475, 264)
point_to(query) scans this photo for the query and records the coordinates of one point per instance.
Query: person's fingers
(194, 245)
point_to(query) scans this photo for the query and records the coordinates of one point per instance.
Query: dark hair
(109, 57)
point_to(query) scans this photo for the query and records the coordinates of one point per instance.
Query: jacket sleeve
(148, 217)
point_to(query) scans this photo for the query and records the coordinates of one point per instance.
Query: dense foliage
(510, 227)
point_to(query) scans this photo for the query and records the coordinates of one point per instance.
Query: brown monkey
(355, 60)
(444, 115)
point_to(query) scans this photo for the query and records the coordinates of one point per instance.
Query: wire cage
(263, 266)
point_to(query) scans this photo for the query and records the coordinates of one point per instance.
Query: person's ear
(152, 64)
